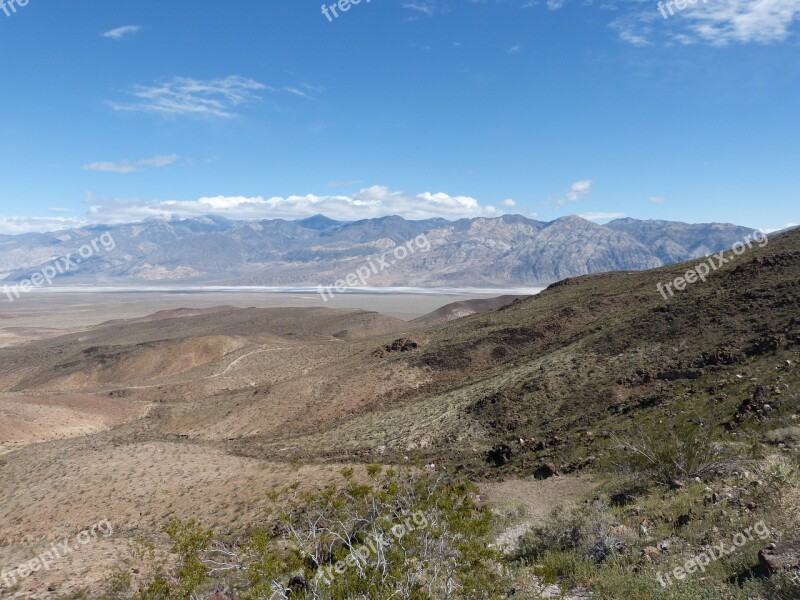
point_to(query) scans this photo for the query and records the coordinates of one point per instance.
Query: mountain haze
(502, 251)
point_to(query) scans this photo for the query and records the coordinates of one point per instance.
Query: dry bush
(591, 530)
(667, 458)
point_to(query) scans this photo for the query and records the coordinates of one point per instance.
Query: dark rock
(298, 583)
(757, 405)
(577, 465)
(399, 345)
(499, 455)
(545, 471)
(767, 343)
(783, 556)
(721, 356)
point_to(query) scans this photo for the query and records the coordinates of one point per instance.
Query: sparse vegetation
(671, 457)
(406, 536)
(679, 419)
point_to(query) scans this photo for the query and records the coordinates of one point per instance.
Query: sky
(116, 111)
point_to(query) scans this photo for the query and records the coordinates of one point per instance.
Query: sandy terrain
(56, 491)
(47, 313)
(190, 413)
(27, 419)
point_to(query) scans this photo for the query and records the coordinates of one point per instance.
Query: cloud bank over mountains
(369, 202)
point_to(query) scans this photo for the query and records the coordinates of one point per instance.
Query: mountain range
(479, 252)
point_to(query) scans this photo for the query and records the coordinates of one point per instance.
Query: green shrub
(665, 457)
(398, 536)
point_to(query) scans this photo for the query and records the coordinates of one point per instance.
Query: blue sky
(117, 111)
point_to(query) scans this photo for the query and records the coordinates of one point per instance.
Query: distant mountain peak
(574, 220)
(319, 222)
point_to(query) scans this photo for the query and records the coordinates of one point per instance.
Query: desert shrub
(784, 586)
(191, 571)
(784, 435)
(667, 458)
(409, 536)
(590, 530)
(119, 585)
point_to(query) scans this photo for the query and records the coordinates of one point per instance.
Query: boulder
(783, 556)
(499, 455)
(545, 471)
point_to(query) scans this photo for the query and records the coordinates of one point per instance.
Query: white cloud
(121, 32)
(724, 21)
(577, 191)
(657, 199)
(601, 216)
(509, 203)
(716, 22)
(769, 230)
(515, 49)
(375, 201)
(295, 91)
(128, 166)
(424, 7)
(555, 4)
(186, 96)
(18, 225)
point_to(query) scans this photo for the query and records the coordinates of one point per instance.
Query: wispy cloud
(781, 228)
(717, 22)
(129, 166)
(577, 191)
(657, 199)
(424, 7)
(295, 91)
(18, 225)
(601, 216)
(184, 96)
(121, 32)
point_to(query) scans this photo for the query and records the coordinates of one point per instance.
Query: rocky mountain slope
(148, 418)
(508, 250)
